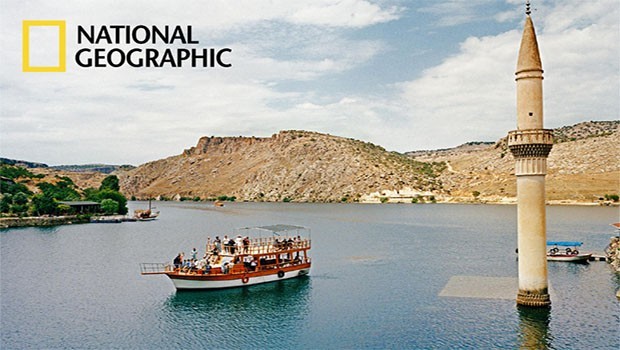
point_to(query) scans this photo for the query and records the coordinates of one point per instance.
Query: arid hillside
(289, 166)
(584, 165)
(82, 180)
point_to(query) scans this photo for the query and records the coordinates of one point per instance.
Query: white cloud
(471, 95)
(133, 116)
(455, 12)
(348, 13)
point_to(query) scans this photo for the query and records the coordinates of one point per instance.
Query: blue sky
(405, 75)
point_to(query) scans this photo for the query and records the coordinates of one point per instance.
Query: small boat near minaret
(566, 251)
(258, 255)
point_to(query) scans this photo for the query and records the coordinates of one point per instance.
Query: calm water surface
(376, 275)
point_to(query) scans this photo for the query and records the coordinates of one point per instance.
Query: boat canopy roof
(565, 243)
(277, 229)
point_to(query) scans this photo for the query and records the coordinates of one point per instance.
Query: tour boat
(256, 255)
(566, 254)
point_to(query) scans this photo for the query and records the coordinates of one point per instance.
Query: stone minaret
(530, 145)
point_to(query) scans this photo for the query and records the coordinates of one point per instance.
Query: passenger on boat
(194, 254)
(278, 245)
(239, 243)
(230, 246)
(187, 264)
(226, 244)
(214, 258)
(225, 267)
(178, 261)
(199, 265)
(218, 244)
(247, 261)
(246, 244)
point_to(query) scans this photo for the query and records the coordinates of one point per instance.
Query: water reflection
(48, 229)
(534, 328)
(272, 310)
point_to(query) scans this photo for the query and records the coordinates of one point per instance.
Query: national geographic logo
(44, 47)
(40, 57)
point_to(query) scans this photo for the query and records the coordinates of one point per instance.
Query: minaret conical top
(529, 57)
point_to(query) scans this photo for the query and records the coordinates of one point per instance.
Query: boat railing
(237, 268)
(269, 245)
(155, 268)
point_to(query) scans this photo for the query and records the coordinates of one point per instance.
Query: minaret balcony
(535, 143)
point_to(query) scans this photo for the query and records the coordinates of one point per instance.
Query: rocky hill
(291, 165)
(584, 165)
(22, 163)
(82, 180)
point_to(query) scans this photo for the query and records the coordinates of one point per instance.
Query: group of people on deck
(238, 245)
(192, 263)
(205, 264)
(228, 245)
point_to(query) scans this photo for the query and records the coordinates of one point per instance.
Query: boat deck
(269, 255)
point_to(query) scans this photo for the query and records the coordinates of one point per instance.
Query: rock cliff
(584, 166)
(291, 165)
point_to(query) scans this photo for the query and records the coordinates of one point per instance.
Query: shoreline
(37, 221)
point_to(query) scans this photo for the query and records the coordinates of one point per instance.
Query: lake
(377, 275)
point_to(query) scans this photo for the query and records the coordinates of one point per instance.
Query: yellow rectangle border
(62, 45)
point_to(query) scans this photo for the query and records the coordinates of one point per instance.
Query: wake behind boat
(566, 251)
(243, 261)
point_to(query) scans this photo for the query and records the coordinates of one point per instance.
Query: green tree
(63, 190)
(13, 188)
(42, 204)
(20, 203)
(5, 202)
(114, 195)
(109, 206)
(13, 172)
(64, 209)
(612, 197)
(110, 183)
(20, 198)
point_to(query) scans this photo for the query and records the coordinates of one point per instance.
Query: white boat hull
(238, 282)
(570, 258)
